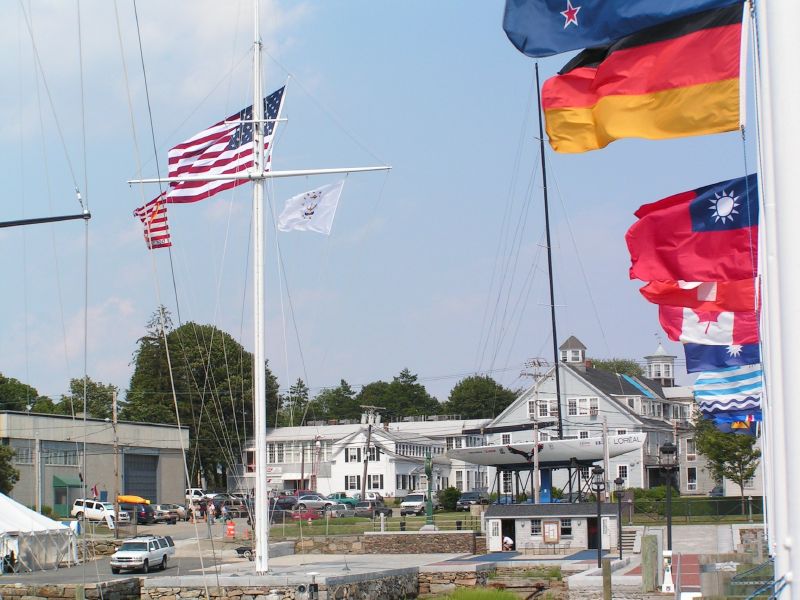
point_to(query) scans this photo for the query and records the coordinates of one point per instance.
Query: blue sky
(432, 88)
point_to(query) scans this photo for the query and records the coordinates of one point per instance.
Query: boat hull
(550, 452)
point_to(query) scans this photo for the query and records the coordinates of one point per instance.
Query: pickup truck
(143, 553)
(342, 498)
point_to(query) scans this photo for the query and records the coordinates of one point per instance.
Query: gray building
(49, 455)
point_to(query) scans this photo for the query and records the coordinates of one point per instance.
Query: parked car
(313, 501)
(140, 513)
(468, 499)
(341, 510)
(299, 493)
(143, 553)
(94, 510)
(343, 498)
(235, 508)
(371, 508)
(181, 511)
(162, 513)
(283, 503)
(368, 496)
(306, 514)
(717, 491)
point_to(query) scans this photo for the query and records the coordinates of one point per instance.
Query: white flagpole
(781, 146)
(261, 505)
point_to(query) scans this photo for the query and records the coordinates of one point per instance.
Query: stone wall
(619, 593)
(95, 548)
(119, 589)
(447, 581)
(452, 542)
(390, 585)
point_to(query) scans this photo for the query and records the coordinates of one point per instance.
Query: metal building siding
(141, 476)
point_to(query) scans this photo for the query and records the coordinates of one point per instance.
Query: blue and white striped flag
(736, 388)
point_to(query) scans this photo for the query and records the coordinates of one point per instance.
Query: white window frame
(691, 450)
(622, 472)
(505, 439)
(536, 527)
(691, 485)
(544, 408)
(583, 435)
(572, 407)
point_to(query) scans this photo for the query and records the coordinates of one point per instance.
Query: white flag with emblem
(311, 211)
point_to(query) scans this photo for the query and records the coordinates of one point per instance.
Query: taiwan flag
(705, 327)
(707, 357)
(734, 296)
(707, 234)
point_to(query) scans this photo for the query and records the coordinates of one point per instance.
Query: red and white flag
(222, 149)
(153, 216)
(709, 328)
(736, 295)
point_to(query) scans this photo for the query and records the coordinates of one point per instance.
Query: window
(554, 408)
(270, 454)
(583, 435)
(622, 431)
(544, 436)
(632, 403)
(449, 443)
(374, 453)
(564, 356)
(584, 472)
(691, 449)
(544, 408)
(531, 408)
(460, 480)
(507, 482)
(536, 527)
(749, 483)
(458, 442)
(622, 472)
(65, 458)
(566, 527)
(667, 370)
(655, 371)
(588, 406)
(575, 355)
(352, 482)
(506, 439)
(23, 452)
(469, 480)
(375, 482)
(691, 479)
(572, 407)
(495, 528)
(352, 455)
(594, 406)
(279, 452)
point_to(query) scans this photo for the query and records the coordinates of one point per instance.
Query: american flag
(223, 148)
(153, 216)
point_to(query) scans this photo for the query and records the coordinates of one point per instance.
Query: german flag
(673, 80)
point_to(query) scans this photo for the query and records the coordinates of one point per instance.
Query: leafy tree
(99, 398)
(448, 498)
(43, 405)
(336, 403)
(15, 395)
(478, 397)
(623, 366)
(212, 375)
(295, 403)
(8, 474)
(401, 398)
(729, 455)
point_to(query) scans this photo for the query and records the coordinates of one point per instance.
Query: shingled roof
(572, 343)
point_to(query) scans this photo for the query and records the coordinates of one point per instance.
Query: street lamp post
(619, 482)
(599, 485)
(668, 461)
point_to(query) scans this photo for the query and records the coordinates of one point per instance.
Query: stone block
(442, 588)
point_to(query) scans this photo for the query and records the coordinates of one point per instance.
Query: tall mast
(549, 258)
(261, 512)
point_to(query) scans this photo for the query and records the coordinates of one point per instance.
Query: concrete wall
(390, 543)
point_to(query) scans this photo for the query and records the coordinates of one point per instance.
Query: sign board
(551, 531)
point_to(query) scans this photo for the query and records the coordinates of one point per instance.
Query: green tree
(729, 455)
(15, 395)
(99, 398)
(336, 403)
(621, 366)
(43, 405)
(478, 397)
(8, 474)
(212, 374)
(403, 397)
(295, 404)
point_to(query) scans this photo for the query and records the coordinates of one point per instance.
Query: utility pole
(371, 410)
(536, 459)
(116, 462)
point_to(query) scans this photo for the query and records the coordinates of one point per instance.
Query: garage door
(141, 479)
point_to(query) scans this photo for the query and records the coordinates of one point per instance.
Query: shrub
(448, 498)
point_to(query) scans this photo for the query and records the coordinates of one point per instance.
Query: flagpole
(549, 258)
(781, 123)
(261, 504)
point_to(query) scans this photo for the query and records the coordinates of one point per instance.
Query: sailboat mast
(549, 258)
(261, 504)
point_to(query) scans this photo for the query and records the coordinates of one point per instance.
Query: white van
(195, 494)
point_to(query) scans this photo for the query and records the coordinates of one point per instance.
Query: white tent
(36, 541)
